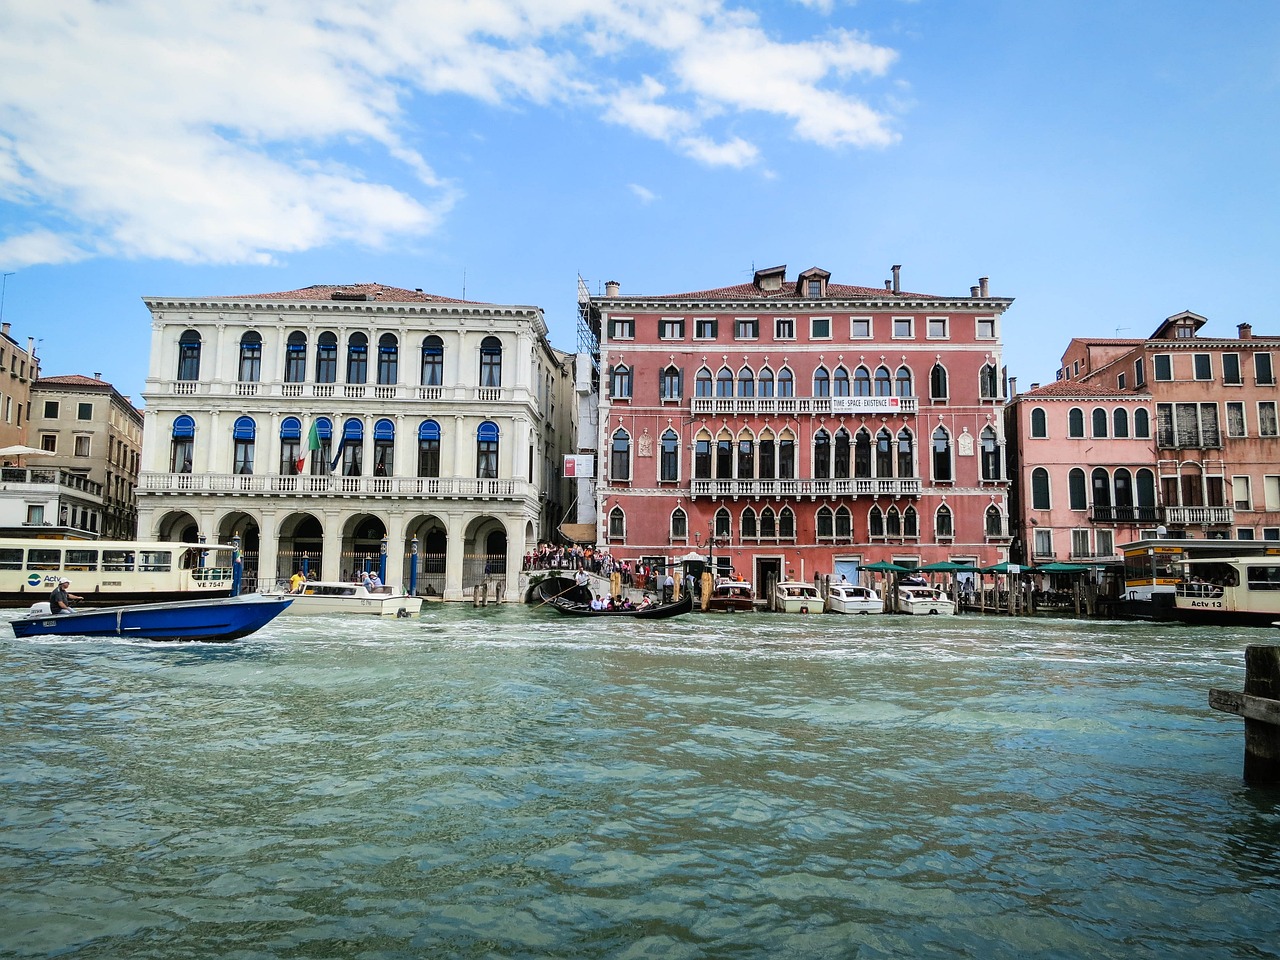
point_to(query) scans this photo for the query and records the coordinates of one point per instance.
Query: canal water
(504, 782)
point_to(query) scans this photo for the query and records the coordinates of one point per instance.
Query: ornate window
(353, 447)
(884, 383)
(702, 385)
(764, 383)
(671, 386)
(357, 358)
(620, 383)
(786, 524)
(943, 525)
(884, 453)
(840, 383)
(679, 524)
(906, 453)
(902, 382)
(669, 460)
(620, 456)
(786, 383)
(429, 449)
(750, 530)
(290, 444)
(182, 448)
(295, 358)
(250, 357)
(821, 382)
(768, 524)
(938, 382)
(388, 359)
(723, 523)
(724, 382)
(988, 382)
(490, 362)
(840, 462)
(862, 382)
(875, 522)
(432, 361)
(994, 522)
(990, 454)
(327, 358)
(189, 356)
(617, 525)
(862, 454)
(242, 435)
(487, 451)
(746, 383)
(942, 456)
(384, 444)
(822, 454)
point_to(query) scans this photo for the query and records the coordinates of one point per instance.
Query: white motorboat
(851, 598)
(795, 596)
(924, 599)
(322, 596)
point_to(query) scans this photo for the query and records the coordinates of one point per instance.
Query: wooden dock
(1259, 704)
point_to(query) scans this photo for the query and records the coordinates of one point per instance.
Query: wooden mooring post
(1259, 704)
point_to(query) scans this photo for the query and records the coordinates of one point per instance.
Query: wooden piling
(1259, 704)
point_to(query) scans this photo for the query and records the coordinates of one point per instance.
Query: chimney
(1013, 386)
(611, 288)
(1035, 386)
(4, 328)
(973, 292)
(1244, 331)
(888, 285)
(97, 375)
(897, 276)
(982, 288)
(417, 289)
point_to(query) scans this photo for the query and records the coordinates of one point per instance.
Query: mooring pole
(1260, 707)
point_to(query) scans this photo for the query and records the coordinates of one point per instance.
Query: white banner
(579, 465)
(866, 404)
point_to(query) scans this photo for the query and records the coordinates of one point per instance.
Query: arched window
(702, 386)
(840, 462)
(429, 449)
(290, 445)
(679, 524)
(938, 382)
(1123, 481)
(1077, 494)
(746, 383)
(295, 358)
(1040, 489)
(750, 530)
(723, 523)
(1141, 423)
(724, 457)
(840, 383)
(786, 524)
(892, 522)
(768, 524)
(620, 383)
(189, 356)
(941, 455)
(1101, 488)
(617, 524)
(1146, 489)
(943, 525)
(988, 384)
(822, 454)
(1039, 424)
(242, 435)
(620, 456)
(357, 360)
(906, 453)
(724, 382)
(1075, 422)
(990, 454)
(767, 461)
(432, 361)
(844, 524)
(1120, 422)
(327, 358)
(764, 383)
(862, 454)
(884, 382)
(671, 383)
(384, 448)
(353, 447)
(786, 457)
(746, 458)
(182, 449)
(786, 383)
(875, 522)
(388, 359)
(862, 382)
(821, 382)
(250, 357)
(902, 382)
(1099, 422)
(487, 451)
(884, 453)
(670, 460)
(702, 457)
(490, 362)
(320, 457)
(994, 522)
(910, 522)
(825, 524)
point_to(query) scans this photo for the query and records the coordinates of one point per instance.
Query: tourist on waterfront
(668, 587)
(296, 582)
(61, 597)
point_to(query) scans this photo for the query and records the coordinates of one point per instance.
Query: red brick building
(808, 426)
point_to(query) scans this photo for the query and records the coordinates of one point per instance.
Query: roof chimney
(611, 288)
(1035, 386)
(4, 328)
(1013, 386)
(1245, 331)
(888, 285)
(897, 271)
(982, 288)
(97, 375)
(973, 292)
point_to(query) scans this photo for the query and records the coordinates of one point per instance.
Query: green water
(509, 783)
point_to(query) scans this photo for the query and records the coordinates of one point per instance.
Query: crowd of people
(592, 560)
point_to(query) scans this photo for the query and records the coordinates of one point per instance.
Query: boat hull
(795, 597)
(210, 620)
(659, 611)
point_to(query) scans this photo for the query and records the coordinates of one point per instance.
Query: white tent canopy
(20, 450)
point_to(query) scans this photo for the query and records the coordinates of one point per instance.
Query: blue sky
(1105, 164)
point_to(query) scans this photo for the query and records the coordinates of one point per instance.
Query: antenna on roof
(1118, 329)
(464, 283)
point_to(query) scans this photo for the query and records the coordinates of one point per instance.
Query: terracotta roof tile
(74, 380)
(352, 292)
(1068, 389)
(788, 291)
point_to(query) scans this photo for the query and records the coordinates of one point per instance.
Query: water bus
(1154, 568)
(113, 571)
(1229, 591)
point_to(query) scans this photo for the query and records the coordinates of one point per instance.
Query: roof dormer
(812, 284)
(1181, 326)
(770, 279)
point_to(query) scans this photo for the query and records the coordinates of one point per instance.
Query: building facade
(89, 428)
(1216, 425)
(342, 428)
(799, 428)
(19, 368)
(1084, 472)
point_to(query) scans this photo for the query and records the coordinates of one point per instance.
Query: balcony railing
(1204, 516)
(1124, 514)
(307, 485)
(769, 406)
(349, 391)
(887, 487)
(51, 475)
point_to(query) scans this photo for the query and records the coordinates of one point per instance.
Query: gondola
(659, 611)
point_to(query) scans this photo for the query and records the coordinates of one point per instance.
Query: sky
(1105, 164)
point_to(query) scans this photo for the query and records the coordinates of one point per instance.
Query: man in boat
(61, 597)
(296, 582)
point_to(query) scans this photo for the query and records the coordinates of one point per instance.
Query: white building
(440, 426)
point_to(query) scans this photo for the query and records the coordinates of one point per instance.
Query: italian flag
(313, 443)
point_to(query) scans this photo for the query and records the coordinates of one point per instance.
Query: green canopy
(1004, 568)
(884, 566)
(946, 566)
(1063, 568)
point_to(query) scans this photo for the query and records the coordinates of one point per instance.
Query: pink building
(808, 426)
(1088, 479)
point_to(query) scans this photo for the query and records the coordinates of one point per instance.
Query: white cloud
(209, 132)
(644, 194)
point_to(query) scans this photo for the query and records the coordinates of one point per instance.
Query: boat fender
(401, 613)
(804, 609)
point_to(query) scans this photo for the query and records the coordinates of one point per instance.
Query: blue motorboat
(214, 620)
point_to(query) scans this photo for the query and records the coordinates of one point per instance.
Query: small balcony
(800, 406)
(1100, 514)
(1200, 516)
(813, 489)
